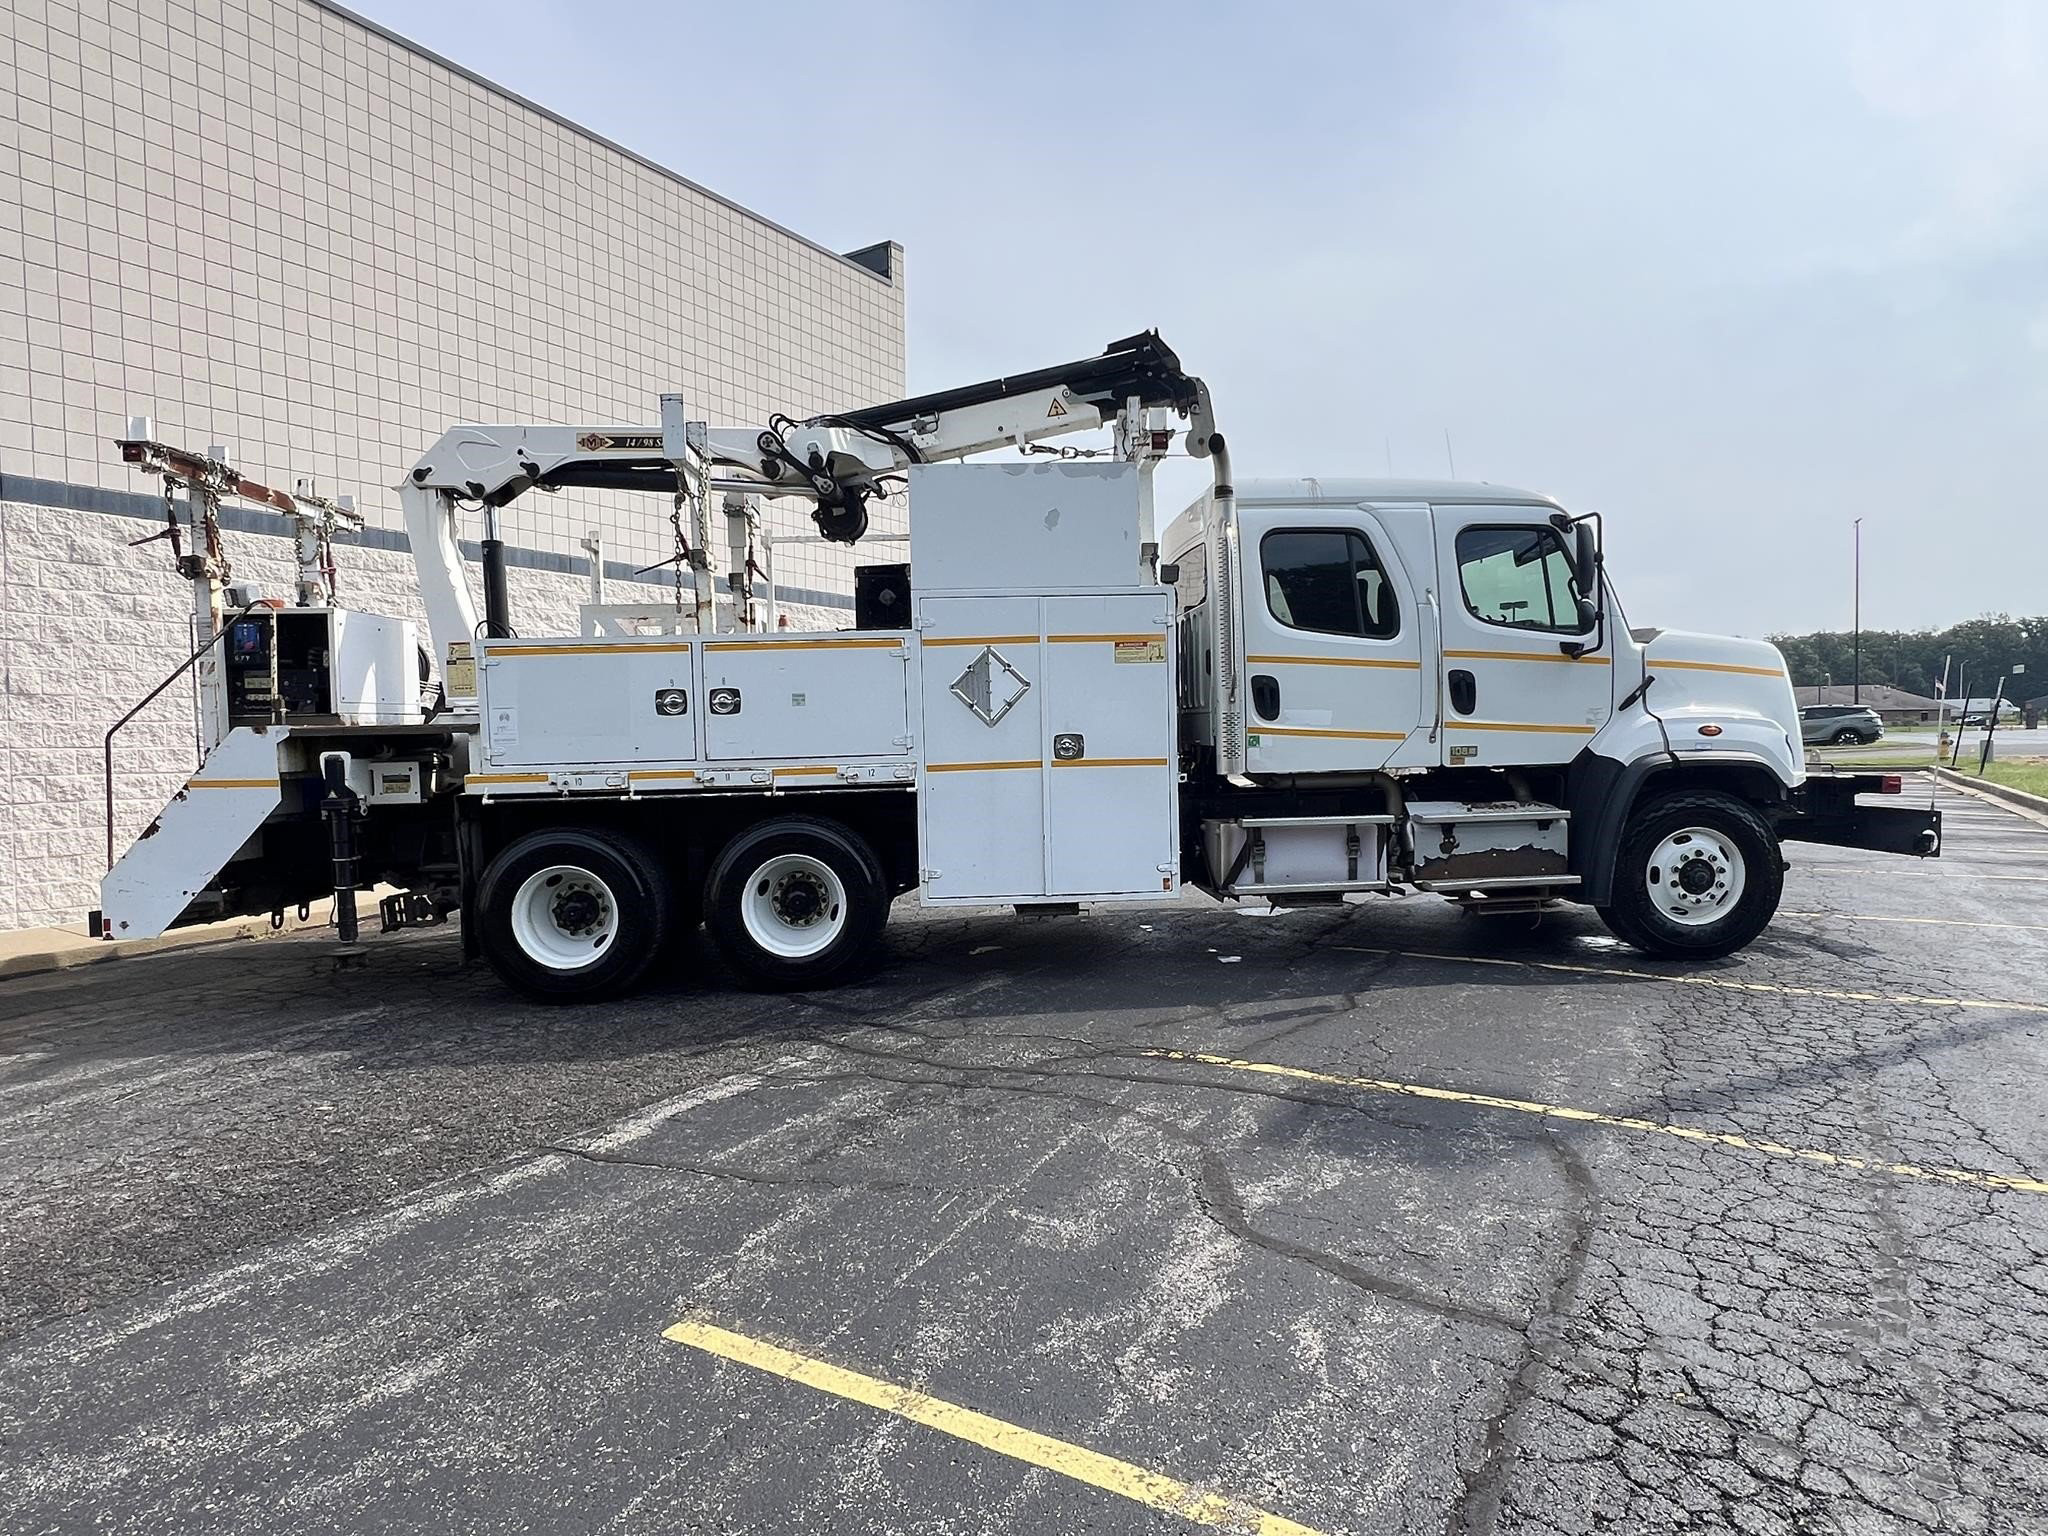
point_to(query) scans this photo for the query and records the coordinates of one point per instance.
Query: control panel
(279, 663)
(321, 665)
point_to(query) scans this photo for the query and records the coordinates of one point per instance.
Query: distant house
(1894, 706)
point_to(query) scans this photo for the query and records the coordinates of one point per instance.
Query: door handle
(1464, 691)
(1266, 696)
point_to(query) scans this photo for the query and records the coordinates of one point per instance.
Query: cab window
(1192, 584)
(1520, 578)
(1328, 580)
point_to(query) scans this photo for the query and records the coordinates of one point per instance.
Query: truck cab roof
(1351, 491)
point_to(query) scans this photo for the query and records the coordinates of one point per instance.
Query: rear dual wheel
(796, 902)
(568, 914)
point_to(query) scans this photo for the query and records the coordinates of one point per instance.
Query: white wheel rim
(1695, 876)
(564, 917)
(794, 906)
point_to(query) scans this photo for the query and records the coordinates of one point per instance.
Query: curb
(81, 951)
(2025, 801)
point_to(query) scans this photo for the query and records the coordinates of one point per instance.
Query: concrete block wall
(272, 225)
(89, 623)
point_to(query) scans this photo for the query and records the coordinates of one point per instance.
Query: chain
(215, 549)
(682, 555)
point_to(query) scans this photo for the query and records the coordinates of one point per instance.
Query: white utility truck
(1298, 690)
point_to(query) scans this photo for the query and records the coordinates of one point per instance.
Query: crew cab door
(1511, 693)
(1333, 641)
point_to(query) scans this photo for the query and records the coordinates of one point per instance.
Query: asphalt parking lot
(1372, 1220)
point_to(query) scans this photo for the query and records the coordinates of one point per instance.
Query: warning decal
(1153, 649)
(1057, 408)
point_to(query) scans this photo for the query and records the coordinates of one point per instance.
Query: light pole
(1856, 621)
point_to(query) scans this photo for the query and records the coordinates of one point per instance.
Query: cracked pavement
(393, 1249)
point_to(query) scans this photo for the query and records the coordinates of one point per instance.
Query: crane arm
(837, 461)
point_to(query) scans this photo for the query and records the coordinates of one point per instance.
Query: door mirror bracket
(1586, 560)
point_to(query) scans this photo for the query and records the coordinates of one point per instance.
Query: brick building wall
(270, 225)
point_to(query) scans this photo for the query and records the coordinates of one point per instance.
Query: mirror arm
(1589, 541)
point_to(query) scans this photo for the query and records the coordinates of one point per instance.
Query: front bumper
(1825, 810)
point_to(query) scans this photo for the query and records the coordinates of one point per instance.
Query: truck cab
(1432, 683)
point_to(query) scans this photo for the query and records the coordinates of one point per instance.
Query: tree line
(1984, 648)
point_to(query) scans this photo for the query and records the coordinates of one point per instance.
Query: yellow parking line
(1902, 868)
(1943, 922)
(1092, 1467)
(1717, 982)
(1976, 1180)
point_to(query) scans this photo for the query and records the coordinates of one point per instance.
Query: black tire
(1845, 737)
(796, 903)
(1636, 918)
(629, 930)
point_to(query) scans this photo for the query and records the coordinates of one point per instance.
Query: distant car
(1839, 725)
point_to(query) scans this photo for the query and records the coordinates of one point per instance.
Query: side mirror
(1586, 562)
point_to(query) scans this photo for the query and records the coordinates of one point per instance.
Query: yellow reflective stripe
(803, 645)
(1575, 661)
(1109, 762)
(981, 640)
(979, 767)
(506, 778)
(588, 648)
(232, 784)
(1716, 666)
(793, 772)
(1302, 730)
(638, 774)
(1104, 639)
(1391, 662)
(1514, 725)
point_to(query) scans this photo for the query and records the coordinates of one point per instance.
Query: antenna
(1452, 457)
(1390, 455)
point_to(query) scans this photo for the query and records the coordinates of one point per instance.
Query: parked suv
(1839, 725)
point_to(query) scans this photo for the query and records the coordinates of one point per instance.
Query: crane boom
(837, 461)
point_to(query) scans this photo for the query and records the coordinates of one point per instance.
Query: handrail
(182, 668)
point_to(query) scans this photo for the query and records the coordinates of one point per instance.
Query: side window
(1519, 577)
(1328, 580)
(1192, 585)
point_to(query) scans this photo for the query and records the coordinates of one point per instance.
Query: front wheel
(796, 902)
(569, 914)
(1844, 738)
(1698, 877)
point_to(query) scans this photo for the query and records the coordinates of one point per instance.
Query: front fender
(1601, 791)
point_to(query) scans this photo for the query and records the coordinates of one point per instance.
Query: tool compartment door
(1109, 733)
(821, 697)
(981, 807)
(564, 702)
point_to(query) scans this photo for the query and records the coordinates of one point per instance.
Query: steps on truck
(1489, 845)
(193, 837)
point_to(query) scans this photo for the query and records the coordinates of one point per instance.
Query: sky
(1731, 274)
